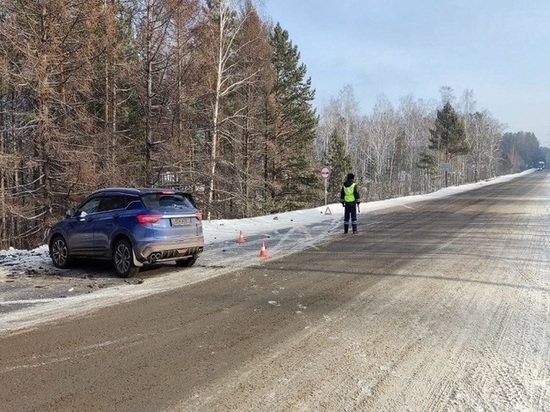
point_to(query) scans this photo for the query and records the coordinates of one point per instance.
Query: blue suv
(131, 227)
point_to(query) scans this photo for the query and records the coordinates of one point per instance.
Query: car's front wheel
(123, 259)
(187, 263)
(59, 252)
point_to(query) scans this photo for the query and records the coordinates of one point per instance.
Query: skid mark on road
(28, 301)
(78, 353)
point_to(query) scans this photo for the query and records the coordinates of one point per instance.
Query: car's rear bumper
(166, 251)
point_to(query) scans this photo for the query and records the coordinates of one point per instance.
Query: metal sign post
(325, 173)
(446, 167)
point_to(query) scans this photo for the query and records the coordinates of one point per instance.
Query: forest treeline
(211, 97)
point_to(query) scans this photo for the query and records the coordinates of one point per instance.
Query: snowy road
(440, 305)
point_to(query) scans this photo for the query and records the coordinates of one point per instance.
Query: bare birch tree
(383, 132)
(415, 118)
(243, 168)
(223, 27)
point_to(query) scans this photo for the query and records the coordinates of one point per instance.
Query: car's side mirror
(69, 213)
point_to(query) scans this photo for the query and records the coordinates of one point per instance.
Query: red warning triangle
(327, 211)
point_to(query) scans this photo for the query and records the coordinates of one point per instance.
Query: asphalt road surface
(441, 305)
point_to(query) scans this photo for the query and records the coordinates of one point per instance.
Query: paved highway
(437, 305)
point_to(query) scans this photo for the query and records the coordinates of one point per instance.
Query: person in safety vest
(349, 196)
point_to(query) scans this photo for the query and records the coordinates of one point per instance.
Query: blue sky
(500, 49)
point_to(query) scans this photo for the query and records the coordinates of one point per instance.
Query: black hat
(351, 176)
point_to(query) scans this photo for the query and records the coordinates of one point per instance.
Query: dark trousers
(350, 212)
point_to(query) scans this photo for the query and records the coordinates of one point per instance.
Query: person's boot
(346, 227)
(354, 228)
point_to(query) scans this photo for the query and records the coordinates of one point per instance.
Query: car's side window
(91, 206)
(132, 202)
(111, 203)
(118, 202)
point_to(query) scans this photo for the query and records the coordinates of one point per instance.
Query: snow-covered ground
(32, 289)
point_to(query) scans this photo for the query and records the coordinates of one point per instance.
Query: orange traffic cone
(263, 253)
(240, 239)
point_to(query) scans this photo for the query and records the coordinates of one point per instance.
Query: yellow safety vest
(349, 193)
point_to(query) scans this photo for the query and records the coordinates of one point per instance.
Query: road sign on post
(446, 167)
(325, 173)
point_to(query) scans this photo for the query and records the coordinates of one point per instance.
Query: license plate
(181, 221)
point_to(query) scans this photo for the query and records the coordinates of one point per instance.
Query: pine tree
(292, 177)
(449, 136)
(447, 139)
(340, 164)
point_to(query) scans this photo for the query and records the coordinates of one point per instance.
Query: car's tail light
(149, 218)
(198, 215)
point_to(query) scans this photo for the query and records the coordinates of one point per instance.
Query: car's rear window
(167, 201)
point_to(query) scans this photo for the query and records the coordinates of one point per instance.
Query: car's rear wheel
(59, 252)
(187, 263)
(123, 259)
